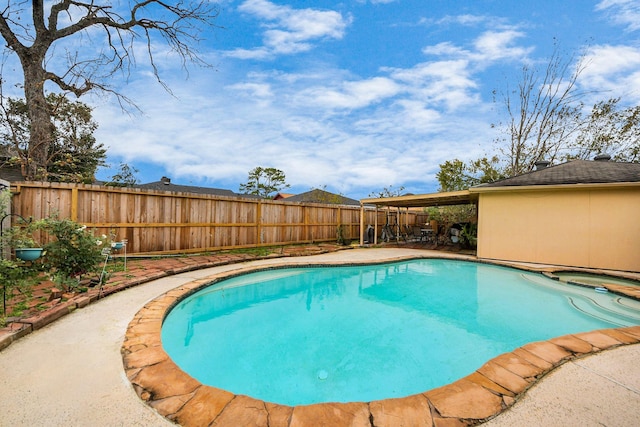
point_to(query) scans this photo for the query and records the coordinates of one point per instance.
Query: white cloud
(288, 30)
(494, 46)
(377, 1)
(465, 19)
(254, 90)
(468, 20)
(445, 48)
(622, 12)
(613, 71)
(488, 48)
(405, 117)
(453, 80)
(446, 83)
(257, 53)
(352, 94)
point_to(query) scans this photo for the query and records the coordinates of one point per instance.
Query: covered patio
(413, 201)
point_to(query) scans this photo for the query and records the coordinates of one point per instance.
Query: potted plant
(21, 239)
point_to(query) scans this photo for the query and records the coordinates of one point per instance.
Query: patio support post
(375, 227)
(361, 224)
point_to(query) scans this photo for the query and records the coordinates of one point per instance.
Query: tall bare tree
(34, 31)
(610, 129)
(543, 113)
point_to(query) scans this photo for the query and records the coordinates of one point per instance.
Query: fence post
(306, 224)
(339, 219)
(259, 222)
(74, 204)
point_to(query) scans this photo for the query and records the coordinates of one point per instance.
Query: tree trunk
(41, 134)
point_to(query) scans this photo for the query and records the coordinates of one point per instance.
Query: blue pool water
(308, 335)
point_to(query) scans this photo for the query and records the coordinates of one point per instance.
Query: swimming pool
(306, 335)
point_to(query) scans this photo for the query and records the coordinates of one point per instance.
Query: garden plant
(15, 276)
(72, 251)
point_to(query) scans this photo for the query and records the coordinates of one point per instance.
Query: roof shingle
(575, 172)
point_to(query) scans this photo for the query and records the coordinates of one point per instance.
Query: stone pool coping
(471, 400)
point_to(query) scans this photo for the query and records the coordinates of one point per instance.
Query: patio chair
(388, 234)
(414, 233)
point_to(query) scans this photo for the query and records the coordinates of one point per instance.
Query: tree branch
(7, 33)
(178, 30)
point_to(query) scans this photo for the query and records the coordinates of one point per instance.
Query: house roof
(165, 184)
(574, 172)
(281, 196)
(11, 173)
(321, 196)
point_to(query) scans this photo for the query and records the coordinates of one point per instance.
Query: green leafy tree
(35, 31)
(264, 182)
(126, 177)
(455, 175)
(73, 155)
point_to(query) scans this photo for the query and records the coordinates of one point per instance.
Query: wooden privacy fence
(157, 222)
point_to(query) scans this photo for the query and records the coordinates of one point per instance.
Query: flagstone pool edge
(471, 400)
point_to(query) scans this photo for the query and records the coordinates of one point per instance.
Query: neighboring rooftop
(281, 196)
(601, 170)
(11, 173)
(321, 196)
(165, 184)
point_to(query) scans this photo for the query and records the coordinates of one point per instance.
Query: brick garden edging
(493, 388)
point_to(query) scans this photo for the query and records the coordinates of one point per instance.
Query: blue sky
(355, 96)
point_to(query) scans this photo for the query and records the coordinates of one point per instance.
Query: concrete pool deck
(71, 373)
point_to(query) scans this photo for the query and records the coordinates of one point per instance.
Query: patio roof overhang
(463, 197)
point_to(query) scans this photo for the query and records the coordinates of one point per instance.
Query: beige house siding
(593, 225)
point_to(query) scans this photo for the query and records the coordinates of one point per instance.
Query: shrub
(469, 235)
(72, 252)
(15, 276)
